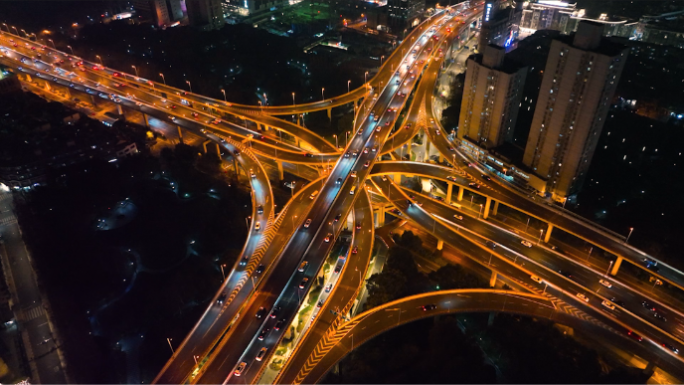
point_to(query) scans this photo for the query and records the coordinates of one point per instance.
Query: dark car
(261, 312)
(659, 316)
(263, 334)
(275, 312)
(617, 302)
(672, 348)
(221, 299)
(338, 216)
(566, 274)
(339, 181)
(634, 336)
(260, 269)
(485, 177)
(431, 306)
(279, 324)
(648, 306)
(260, 209)
(358, 225)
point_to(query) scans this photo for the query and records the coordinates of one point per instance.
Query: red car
(634, 336)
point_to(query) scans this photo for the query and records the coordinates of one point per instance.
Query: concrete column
(237, 170)
(204, 145)
(490, 321)
(281, 173)
(650, 368)
(450, 189)
(460, 193)
(616, 266)
(218, 149)
(329, 111)
(146, 119)
(119, 109)
(93, 99)
(496, 207)
(492, 280)
(380, 217)
(427, 146)
(397, 178)
(440, 244)
(547, 236)
(441, 158)
(485, 214)
(180, 134)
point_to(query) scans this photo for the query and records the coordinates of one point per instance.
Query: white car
(583, 297)
(608, 304)
(526, 243)
(353, 174)
(240, 369)
(605, 283)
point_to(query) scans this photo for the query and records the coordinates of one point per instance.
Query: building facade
(580, 78)
(404, 14)
(206, 14)
(491, 98)
(500, 24)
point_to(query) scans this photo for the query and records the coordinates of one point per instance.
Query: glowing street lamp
(53, 43)
(630, 234)
(293, 99)
(136, 70)
(71, 49)
(224, 95)
(348, 83)
(163, 78)
(189, 85)
(322, 93)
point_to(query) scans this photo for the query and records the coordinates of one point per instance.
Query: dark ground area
(146, 278)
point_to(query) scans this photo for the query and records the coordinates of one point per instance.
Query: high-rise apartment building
(207, 14)
(491, 97)
(580, 77)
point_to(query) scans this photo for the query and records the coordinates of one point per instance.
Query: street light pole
(163, 78)
(322, 93)
(136, 70)
(53, 43)
(71, 49)
(336, 145)
(608, 269)
(223, 273)
(348, 83)
(189, 85)
(293, 100)
(224, 95)
(478, 215)
(169, 341)
(541, 232)
(630, 234)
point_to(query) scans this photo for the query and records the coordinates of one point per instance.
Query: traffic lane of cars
(586, 280)
(388, 97)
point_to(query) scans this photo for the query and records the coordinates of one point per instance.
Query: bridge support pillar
(460, 193)
(547, 236)
(237, 170)
(281, 172)
(217, 148)
(650, 368)
(380, 217)
(427, 148)
(440, 244)
(329, 111)
(450, 190)
(441, 158)
(616, 266)
(490, 321)
(146, 119)
(92, 97)
(488, 204)
(496, 207)
(204, 145)
(492, 280)
(397, 178)
(119, 109)
(180, 134)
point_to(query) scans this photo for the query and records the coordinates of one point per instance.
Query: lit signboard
(488, 11)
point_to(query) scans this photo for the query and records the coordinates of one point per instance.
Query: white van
(313, 194)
